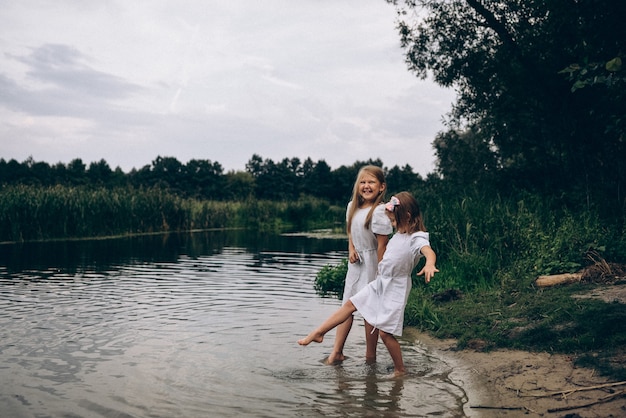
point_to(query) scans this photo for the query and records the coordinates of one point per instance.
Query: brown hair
(408, 214)
(357, 201)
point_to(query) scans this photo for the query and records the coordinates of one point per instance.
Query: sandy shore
(508, 383)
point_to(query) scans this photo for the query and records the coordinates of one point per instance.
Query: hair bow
(391, 205)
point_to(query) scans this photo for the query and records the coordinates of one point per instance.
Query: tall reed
(40, 213)
(483, 241)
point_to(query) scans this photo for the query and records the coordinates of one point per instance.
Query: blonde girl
(368, 231)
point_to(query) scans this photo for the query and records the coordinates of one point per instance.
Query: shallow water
(191, 326)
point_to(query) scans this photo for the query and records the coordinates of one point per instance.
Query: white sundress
(364, 240)
(382, 302)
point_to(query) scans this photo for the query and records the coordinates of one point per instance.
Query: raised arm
(429, 268)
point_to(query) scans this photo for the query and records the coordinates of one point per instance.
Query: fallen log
(557, 279)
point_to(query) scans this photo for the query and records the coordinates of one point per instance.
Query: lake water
(192, 325)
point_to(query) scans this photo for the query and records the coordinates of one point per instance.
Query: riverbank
(512, 383)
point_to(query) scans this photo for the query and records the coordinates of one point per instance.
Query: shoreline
(512, 383)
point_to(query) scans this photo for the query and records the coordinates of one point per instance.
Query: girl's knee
(385, 336)
(349, 305)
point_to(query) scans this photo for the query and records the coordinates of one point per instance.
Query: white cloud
(218, 80)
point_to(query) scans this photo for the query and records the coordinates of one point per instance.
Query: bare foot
(312, 337)
(335, 358)
(395, 375)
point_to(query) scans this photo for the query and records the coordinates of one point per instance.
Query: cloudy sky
(219, 80)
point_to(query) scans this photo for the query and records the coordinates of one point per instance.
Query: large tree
(506, 60)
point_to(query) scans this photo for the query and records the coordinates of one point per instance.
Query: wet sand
(511, 383)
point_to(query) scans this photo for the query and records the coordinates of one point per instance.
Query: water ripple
(209, 333)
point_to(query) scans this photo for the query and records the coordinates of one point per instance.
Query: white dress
(382, 302)
(364, 240)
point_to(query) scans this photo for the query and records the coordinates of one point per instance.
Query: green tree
(141, 177)
(59, 171)
(168, 172)
(239, 185)
(76, 172)
(204, 179)
(100, 173)
(505, 58)
(275, 181)
(40, 172)
(254, 166)
(466, 158)
(12, 172)
(317, 179)
(402, 179)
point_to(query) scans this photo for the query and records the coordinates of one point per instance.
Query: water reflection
(190, 325)
(101, 254)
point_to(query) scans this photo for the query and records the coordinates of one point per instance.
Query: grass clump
(330, 279)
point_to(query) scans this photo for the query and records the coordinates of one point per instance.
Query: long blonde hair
(357, 201)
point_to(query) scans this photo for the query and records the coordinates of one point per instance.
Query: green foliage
(522, 118)
(420, 312)
(604, 73)
(330, 279)
(485, 241)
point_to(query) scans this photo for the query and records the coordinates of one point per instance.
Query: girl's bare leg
(343, 330)
(393, 346)
(339, 316)
(371, 341)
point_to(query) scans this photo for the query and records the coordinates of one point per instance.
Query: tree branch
(493, 23)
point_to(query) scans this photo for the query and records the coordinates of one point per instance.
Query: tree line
(263, 179)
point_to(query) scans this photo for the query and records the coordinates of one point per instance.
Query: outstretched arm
(429, 268)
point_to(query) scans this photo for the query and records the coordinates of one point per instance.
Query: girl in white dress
(368, 233)
(382, 301)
